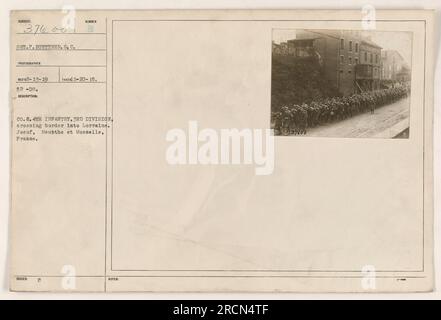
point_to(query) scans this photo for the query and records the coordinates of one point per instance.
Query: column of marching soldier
(295, 119)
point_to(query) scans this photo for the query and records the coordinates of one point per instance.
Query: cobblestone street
(387, 122)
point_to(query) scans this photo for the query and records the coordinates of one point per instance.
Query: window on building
(350, 71)
(370, 57)
(350, 45)
(342, 59)
(376, 58)
(350, 60)
(356, 47)
(365, 56)
(356, 60)
(342, 43)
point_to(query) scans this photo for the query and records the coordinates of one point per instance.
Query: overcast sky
(393, 40)
(388, 40)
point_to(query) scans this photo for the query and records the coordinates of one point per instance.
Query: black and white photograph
(341, 83)
(279, 152)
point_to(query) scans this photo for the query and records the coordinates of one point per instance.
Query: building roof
(304, 39)
(370, 43)
(320, 32)
(394, 52)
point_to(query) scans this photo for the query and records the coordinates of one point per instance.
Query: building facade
(403, 75)
(394, 67)
(368, 71)
(349, 60)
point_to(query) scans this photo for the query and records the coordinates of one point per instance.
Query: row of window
(342, 45)
(370, 57)
(342, 58)
(375, 71)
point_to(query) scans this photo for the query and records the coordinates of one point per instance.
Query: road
(386, 122)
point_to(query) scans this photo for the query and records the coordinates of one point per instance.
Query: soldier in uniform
(303, 118)
(285, 120)
(277, 116)
(295, 119)
(372, 103)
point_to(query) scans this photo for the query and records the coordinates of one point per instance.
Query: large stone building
(368, 71)
(350, 61)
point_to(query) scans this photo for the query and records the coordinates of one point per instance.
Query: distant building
(394, 67)
(350, 61)
(403, 75)
(281, 49)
